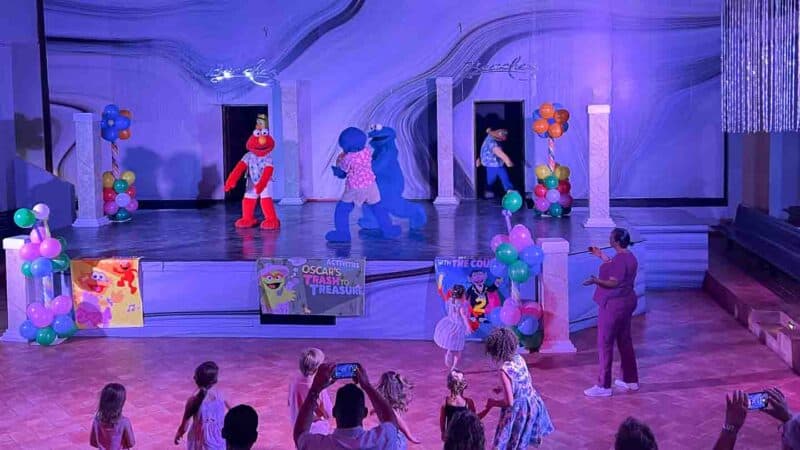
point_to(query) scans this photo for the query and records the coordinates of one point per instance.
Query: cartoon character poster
(300, 286)
(484, 291)
(106, 293)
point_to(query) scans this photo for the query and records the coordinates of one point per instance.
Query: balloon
(494, 317)
(121, 123)
(536, 114)
(506, 253)
(108, 180)
(512, 201)
(497, 240)
(543, 135)
(531, 309)
(123, 199)
(25, 268)
(518, 271)
(520, 237)
(551, 182)
(131, 188)
(109, 195)
(120, 186)
(542, 171)
(532, 255)
(63, 242)
(555, 130)
(497, 268)
(109, 134)
(24, 218)
(540, 190)
(553, 195)
(50, 248)
(41, 211)
(562, 172)
(541, 204)
(64, 326)
(41, 267)
(565, 201)
(555, 210)
(540, 126)
(111, 110)
(129, 176)
(547, 110)
(126, 112)
(564, 186)
(124, 134)
(509, 315)
(39, 314)
(528, 326)
(37, 234)
(561, 116)
(61, 305)
(28, 330)
(61, 262)
(133, 205)
(110, 208)
(29, 251)
(564, 127)
(122, 215)
(550, 121)
(45, 336)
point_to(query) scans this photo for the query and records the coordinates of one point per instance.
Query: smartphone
(757, 400)
(345, 370)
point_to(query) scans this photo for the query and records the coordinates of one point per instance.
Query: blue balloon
(41, 267)
(564, 126)
(28, 330)
(551, 121)
(558, 106)
(121, 123)
(528, 326)
(64, 326)
(497, 268)
(536, 114)
(533, 255)
(543, 135)
(109, 134)
(111, 110)
(494, 317)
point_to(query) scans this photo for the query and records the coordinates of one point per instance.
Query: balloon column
(552, 192)
(44, 255)
(517, 257)
(119, 193)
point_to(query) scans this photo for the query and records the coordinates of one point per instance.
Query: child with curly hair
(396, 389)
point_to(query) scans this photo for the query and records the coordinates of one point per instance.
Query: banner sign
(106, 293)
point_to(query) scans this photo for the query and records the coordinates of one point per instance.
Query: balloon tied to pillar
(119, 193)
(44, 255)
(552, 192)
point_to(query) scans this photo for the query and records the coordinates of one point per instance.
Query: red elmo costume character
(257, 163)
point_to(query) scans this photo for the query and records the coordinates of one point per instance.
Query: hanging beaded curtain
(760, 65)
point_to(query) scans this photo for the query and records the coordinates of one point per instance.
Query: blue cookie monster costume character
(390, 180)
(354, 165)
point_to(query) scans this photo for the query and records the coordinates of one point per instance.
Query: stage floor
(690, 352)
(208, 234)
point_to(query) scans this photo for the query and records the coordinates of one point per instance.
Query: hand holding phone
(757, 400)
(345, 371)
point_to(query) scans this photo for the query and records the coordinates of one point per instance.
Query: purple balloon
(110, 208)
(541, 204)
(133, 205)
(40, 315)
(497, 240)
(553, 196)
(520, 237)
(29, 251)
(565, 201)
(122, 200)
(50, 248)
(509, 314)
(37, 234)
(61, 305)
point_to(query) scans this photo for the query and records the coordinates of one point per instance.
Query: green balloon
(121, 185)
(122, 215)
(45, 336)
(518, 271)
(61, 263)
(551, 182)
(24, 218)
(555, 210)
(512, 201)
(506, 253)
(26, 269)
(63, 242)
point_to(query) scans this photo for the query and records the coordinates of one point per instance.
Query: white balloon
(122, 200)
(41, 211)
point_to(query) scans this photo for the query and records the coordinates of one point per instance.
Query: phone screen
(346, 370)
(757, 400)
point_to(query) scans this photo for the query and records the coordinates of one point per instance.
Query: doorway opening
(238, 123)
(509, 115)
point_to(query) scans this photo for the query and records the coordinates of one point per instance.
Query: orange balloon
(124, 134)
(540, 126)
(561, 116)
(546, 110)
(126, 113)
(555, 130)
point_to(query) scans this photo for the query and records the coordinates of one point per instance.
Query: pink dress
(205, 433)
(298, 391)
(451, 331)
(110, 437)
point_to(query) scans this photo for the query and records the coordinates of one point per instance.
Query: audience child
(206, 410)
(240, 430)
(451, 331)
(110, 429)
(310, 361)
(455, 401)
(465, 432)
(634, 435)
(396, 389)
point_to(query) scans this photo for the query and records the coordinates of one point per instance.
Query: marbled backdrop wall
(657, 63)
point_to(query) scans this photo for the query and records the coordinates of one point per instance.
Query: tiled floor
(690, 353)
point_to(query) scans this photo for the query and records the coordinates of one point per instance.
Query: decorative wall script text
(515, 69)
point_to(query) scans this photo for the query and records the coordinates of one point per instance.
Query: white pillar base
(599, 222)
(292, 201)
(87, 222)
(451, 201)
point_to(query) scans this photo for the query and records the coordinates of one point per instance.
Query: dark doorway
(509, 115)
(238, 123)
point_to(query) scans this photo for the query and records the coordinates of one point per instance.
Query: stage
(198, 271)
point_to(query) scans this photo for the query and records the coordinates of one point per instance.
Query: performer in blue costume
(386, 167)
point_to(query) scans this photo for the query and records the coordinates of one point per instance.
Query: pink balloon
(541, 204)
(565, 201)
(34, 308)
(110, 208)
(133, 205)
(36, 233)
(39, 315)
(497, 240)
(520, 237)
(61, 305)
(531, 309)
(29, 251)
(50, 248)
(509, 314)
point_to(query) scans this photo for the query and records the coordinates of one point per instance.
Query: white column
(295, 119)
(18, 288)
(89, 188)
(444, 138)
(599, 205)
(554, 295)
